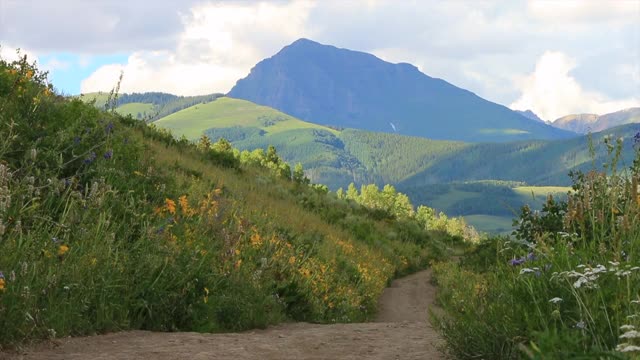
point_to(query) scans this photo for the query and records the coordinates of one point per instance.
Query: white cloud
(585, 11)
(218, 45)
(551, 92)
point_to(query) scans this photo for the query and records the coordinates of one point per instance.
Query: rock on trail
(400, 331)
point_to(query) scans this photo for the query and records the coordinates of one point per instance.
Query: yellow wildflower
(256, 240)
(29, 74)
(292, 260)
(138, 173)
(184, 204)
(62, 249)
(238, 263)
(2, 284)
(170, 205)
(237, 252)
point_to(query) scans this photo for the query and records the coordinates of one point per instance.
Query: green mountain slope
(148, 106)
(533, 162)
(327, 85)
(332, 157)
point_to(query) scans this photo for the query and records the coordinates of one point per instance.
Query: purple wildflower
(160, 230)
(108, 155)
(90, 158)
(636, 138)
(531, 256)
(516, 262)
(109, 128)
(76, 140)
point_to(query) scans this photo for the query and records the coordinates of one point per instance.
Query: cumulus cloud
(219, 43)
(551, 92)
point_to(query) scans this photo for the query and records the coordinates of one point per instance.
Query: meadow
(108, 224)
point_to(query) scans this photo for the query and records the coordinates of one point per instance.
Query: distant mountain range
(584, 123)
(350, 89)
(530, 115)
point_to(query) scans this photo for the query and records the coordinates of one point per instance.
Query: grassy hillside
(227, 112)
(108, 224)
(148, 106)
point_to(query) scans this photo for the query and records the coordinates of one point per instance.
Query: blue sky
(554, 57)
(67, 70)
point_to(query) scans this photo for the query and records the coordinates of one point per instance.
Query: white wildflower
(526, 271)
(627, 327)
(555, 300)
(627, 348)
(631, 334)
(614, 263)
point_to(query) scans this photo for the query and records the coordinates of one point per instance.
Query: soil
(400, 331)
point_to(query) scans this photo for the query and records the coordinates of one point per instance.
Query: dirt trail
(401, 331)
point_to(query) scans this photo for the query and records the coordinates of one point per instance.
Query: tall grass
(566, 286)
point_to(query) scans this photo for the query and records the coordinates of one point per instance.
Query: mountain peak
(352, 89)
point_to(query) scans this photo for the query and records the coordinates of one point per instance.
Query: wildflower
(627, 348)
(526, 271)
(184, 203)
(2, 282)
(76, 140)
(516, 262)
(627, 327)
(62, 249)
(531, 256)
(108, 128)
(636, 138)
(170, 206)
(54, 239)
(555, 300)
(137, 173)
(108, 155)
(89, 159)
(581, 325)
(256, 240)
(292, 260)
(631, 334)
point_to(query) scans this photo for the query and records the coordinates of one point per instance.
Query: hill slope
(108, 224)
(344, 88)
